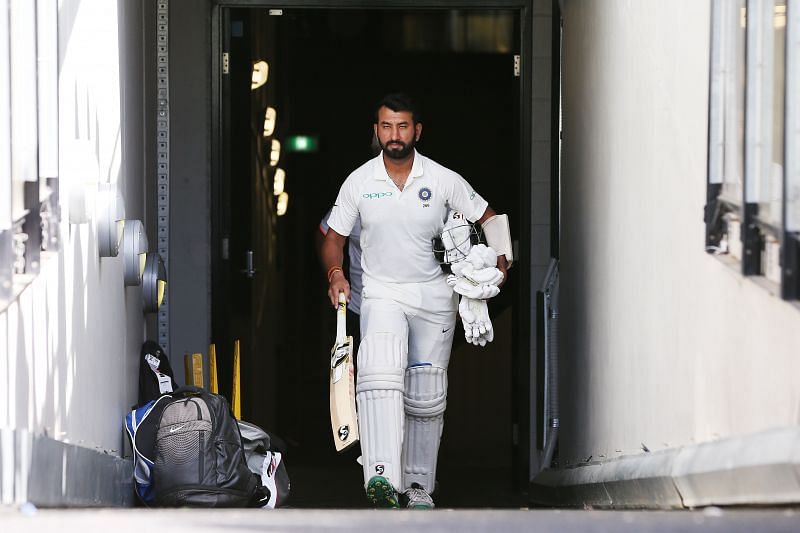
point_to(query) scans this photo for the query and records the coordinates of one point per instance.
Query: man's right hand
(338, 284)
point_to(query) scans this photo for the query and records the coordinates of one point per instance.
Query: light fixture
(278, 182)
(134, 252)
(269, 121)
(154, 283)
(260, 75)
(302, 143)
(283, 203)
(275, 153)
(110, 219)
(780, 17)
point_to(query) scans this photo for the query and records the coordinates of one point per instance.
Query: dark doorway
(326, 70)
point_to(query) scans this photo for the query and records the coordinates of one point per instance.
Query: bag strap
(188, 390)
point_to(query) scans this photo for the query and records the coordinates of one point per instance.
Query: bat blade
(344, 421)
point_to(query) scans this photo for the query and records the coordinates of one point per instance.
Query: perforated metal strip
(162, 142)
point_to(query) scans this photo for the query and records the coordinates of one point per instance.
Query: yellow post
(197, 363)
(212, 369)
(187, 368)
(193, 366)
(236, 394)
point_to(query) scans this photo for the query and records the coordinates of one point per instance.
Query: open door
(327, 68)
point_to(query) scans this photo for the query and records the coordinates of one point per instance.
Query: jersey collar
(379, 169)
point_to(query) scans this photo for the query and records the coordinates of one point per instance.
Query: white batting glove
(475, 319)
(482, 256)
(477, 276)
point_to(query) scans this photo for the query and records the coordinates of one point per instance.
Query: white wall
(663, 345)
(69, 343)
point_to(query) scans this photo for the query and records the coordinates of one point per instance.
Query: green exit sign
(301, 143)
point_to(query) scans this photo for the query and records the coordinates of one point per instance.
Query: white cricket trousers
(407, 335)
(424, 314)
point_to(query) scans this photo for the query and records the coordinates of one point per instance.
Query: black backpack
(198, 457)
(155, 373)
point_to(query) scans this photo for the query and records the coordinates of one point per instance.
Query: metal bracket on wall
(162, 142)
(790, 273)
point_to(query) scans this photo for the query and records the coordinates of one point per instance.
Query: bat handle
(341, 318)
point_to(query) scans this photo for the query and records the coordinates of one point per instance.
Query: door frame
(523, 335)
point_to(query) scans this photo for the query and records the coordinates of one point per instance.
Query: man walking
(408, 311)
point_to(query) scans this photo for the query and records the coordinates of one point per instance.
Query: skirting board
(757, 469)
(51, 473)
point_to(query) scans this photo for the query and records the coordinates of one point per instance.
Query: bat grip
(341, 318)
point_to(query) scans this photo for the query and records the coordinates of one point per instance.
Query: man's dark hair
(399, 102)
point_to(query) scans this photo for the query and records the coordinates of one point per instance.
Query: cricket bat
(344, 421)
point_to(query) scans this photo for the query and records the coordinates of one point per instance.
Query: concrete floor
(342, 488)
(28, 518)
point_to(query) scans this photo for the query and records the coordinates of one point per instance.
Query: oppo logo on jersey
(376, 195)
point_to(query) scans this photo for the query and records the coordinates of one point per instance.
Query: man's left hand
(502, 266)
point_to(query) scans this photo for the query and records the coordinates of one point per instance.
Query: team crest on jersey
(425, 195)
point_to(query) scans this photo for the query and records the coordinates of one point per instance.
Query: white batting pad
(425, 402)
(379, 393)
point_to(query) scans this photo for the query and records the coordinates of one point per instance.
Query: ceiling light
(269, 121)
(260, 75)
(283, 203)
(278, 182)
(275, 153)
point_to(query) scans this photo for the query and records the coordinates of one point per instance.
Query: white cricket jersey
(397, 227)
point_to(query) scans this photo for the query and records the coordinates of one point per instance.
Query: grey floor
(329, 499)
(387, 521)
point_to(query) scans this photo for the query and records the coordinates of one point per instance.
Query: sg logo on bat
(344, 432)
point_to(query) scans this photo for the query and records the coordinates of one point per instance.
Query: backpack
(155, 373)
(188, 453)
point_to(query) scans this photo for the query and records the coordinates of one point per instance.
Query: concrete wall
(69, 342)
(664, 346)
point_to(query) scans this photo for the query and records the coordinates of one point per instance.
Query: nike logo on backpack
(174, 429)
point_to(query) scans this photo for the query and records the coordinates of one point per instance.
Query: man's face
(396, 133)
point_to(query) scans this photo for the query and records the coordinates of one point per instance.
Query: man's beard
(399, 153)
